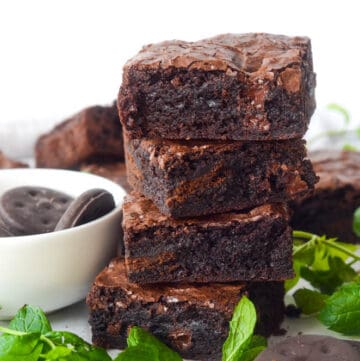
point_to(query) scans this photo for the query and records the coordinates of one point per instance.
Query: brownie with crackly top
(252, 86)
(93, 134)
(250, 245)
(329, 210)
(192, 319)
(197, 178)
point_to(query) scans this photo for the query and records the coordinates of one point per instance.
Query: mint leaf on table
(342, 310)
(240, 344)
(139, 336)
(314, 256)
(138, 353)
(25, 347)
(257, 345)
(309, 301)
(30, 319)
(356, 222)
(79, 349)
(328, 281)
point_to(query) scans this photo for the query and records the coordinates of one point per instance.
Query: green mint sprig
(241, 344)
(328, 265)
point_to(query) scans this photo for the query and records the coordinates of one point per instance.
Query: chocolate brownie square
(252, 245)
(7, 163)
(239, 87)
(196, 178)
(193, 319)
(95, 133)
(115, 171)
(329, 210)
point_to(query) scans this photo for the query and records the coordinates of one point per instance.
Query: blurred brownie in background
(93, 133)
(329, 210)
(115, 171)
(6, 163)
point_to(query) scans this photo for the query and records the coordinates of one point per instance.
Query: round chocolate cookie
(32, 210)
(89, 206)
(3, 230)
(311, 348)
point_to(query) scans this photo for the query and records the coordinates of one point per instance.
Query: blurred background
(56, 57)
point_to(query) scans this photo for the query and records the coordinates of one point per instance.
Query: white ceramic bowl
(54, 270)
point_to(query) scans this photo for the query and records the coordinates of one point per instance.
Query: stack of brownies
(213, 146)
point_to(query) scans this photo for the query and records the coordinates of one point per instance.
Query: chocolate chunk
(32, 210)
(310, 348)
(89, 206)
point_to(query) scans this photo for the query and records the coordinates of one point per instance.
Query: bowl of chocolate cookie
(58, 229)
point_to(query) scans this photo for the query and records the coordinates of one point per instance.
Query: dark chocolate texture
(95, 133)
(311, 348)
(192, 319)
(254, 245)
(330, 209)
(196, 178)
(232, 86)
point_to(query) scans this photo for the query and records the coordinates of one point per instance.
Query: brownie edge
(192, 319)
(197, 178)
(251, 245)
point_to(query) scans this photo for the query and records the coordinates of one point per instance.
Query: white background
(57, 57)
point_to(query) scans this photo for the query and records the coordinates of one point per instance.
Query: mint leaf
(30, 319)
(342, 310)
(356, 222)
(338, 108)
(58, 353)
(25, 348)
(80, 349)
(257, 345)
(328, 281)
(139, 336)
(309, 301)
(358, 132)
(241, 331)
(349, 147)
(138, 353)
